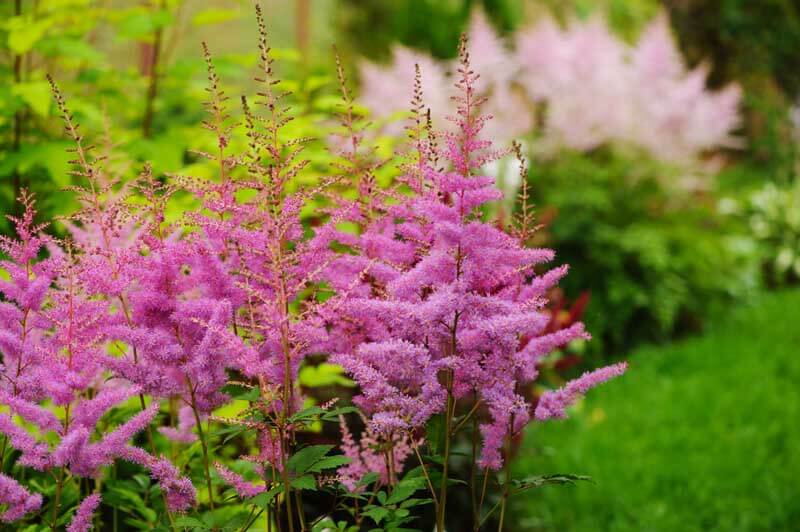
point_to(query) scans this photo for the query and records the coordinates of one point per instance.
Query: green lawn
(700, 435)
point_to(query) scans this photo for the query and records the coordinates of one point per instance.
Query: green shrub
(654, 258)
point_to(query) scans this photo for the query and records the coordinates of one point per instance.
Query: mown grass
(701, 435)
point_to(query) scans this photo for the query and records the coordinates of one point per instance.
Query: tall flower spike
(456, 299)
(553, 404)
(17, 500)
(82, 520)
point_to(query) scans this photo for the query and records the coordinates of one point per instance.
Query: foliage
(372, 28)
(655, 260)
(61, 37)
(152, 363)
(129, 86)
(697, 437)
(771, 217)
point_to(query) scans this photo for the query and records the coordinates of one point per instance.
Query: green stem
(57, 502)
(203, 444)
(507, 483)
(287, 485)
(448, 417)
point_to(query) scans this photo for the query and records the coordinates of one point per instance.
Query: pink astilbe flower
(598, 90)
(44, 419)
(244, 488)
(82, 520)
(35, 454)
(22, 325)
(385, 393)
(179, 490)
(384, 88)
(370, 454)
(554, 403)
(186, 423)
(594, 88)
(18, 500)
(447, 299)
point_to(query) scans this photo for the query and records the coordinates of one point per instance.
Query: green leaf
(36, 94)
(410, 503)
(434, 434)
(543, 480)
(405, 489)
(302, 460)
(24, 33)
(306, 482)
(333, 415)
(307, 414)
(241, 392)
(368, 479)
(140, 23)
(214, 16)
(329, 462)
(190, 522)
(377, 514)
(324, 374)
(262, 500)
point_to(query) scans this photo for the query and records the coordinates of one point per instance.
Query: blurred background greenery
(700, 434)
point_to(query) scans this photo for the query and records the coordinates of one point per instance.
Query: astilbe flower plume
(595, 89)
(371, 455)
(447, 298)
(18, 500)
(60, 316)
(82, 520)
(271, 266)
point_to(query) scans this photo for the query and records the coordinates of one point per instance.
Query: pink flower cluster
(448, 307)
(595, 88)
(426, 305)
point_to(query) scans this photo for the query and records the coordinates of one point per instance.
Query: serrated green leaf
(543, 480)
(333, 415)
(329, 462)
(405, 489)
(306, 414)
(302, 460)
(377, 514)
(262, 500)
(305, 482)
(368, 479)
(410, 503)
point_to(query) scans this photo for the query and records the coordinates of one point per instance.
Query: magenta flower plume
(244, 488)
(179, 491)
(82, 520)
(553, 404)
(35, 454)
(18, 500)
(186, 423)
(368, 456)
(449, 307)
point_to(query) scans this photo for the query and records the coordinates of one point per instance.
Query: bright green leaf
(24, 33)
(301, 461)
(36, 94)
(329, 462)
(306, 482)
